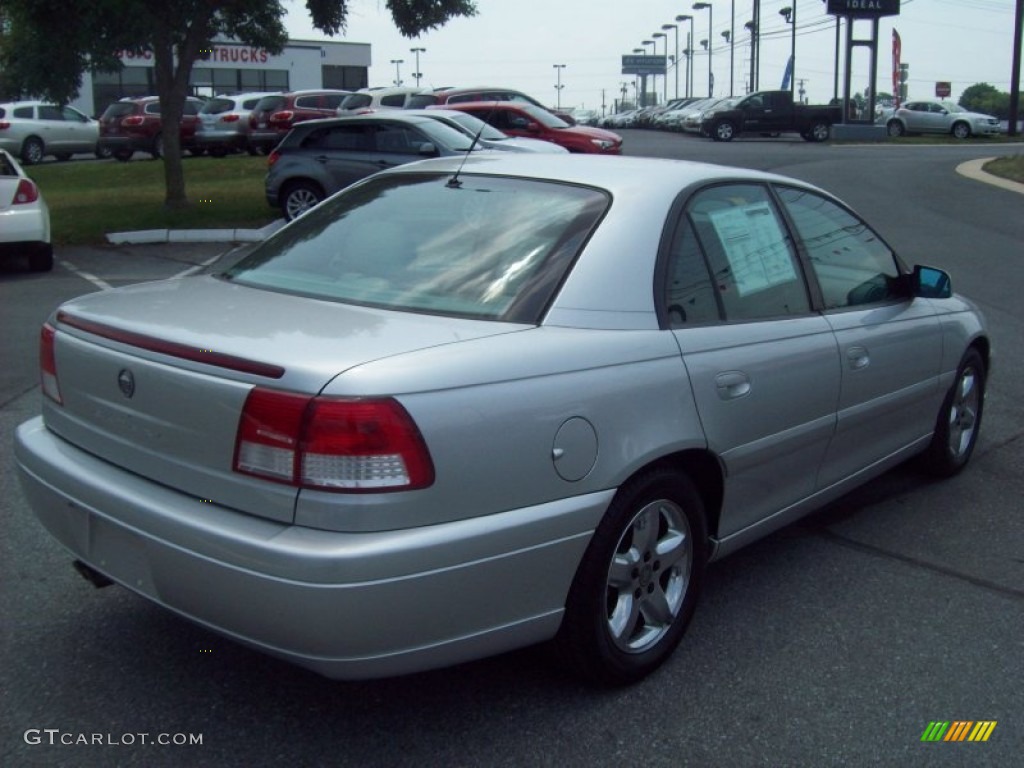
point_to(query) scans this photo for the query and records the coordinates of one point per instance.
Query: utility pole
(1015, 74)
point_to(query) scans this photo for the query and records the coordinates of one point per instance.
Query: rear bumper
(346, 605)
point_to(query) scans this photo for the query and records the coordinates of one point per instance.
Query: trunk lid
(154, 377)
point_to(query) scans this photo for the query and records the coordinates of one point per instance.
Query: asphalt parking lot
(836, 641)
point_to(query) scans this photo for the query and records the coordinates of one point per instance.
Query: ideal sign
(863, 8)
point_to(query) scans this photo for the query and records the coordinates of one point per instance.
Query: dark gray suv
(319, 157)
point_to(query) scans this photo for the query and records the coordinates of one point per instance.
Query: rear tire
(895, 128)
(638, 582)
(41, 260)
(820, 131)
(32, 151)
(959, 420)
(157, 148)
(63, 156)
(124, 155)
(723, 131)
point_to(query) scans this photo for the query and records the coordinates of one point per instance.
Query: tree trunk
(173, 67)
(172, 104)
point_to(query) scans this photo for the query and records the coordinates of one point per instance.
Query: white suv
(33, 129)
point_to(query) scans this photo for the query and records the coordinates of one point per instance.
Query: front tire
(299, 197)
(638, 582)
(959, 421)
(961, 130)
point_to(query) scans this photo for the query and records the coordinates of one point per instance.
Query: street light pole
(727, 35)
(417, 74)
(398, 70)
(558, 87)
(732, 46)
(749, 26)
(789, 14)
(689, 53)
(676, 28)
(711, 23)
(664, 76)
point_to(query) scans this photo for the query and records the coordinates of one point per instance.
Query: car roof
(620, 175)
(393, 116)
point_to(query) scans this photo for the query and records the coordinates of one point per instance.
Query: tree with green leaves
(987, 99)
(52, 43)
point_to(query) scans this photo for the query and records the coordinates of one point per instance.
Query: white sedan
(24, 217)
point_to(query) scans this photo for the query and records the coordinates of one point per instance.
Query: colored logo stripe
(959, 730)
(982, 730)
(935, 731)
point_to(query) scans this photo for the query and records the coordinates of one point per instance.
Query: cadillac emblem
(126, 382)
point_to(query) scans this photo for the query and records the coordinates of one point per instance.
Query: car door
(345, 153)
(82, 132)
(890, 344)
(53, 128)
(763, 366)
(915, 117)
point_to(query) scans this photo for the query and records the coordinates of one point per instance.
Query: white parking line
(200, 266)
(101, 284)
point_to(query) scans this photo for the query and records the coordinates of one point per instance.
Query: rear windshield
(356, 101)
(487, 247)
(269, 104)
(420, 100)
(217, 106)
(119, 109)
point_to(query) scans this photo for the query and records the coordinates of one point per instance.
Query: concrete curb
(972, 170)
(151, 236)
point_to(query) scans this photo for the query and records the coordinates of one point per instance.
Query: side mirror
(428, 149)
(931, 283)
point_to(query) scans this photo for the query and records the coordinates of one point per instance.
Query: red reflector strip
(183, 351)
(48, 364)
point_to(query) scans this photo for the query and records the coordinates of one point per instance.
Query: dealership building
(230, 67)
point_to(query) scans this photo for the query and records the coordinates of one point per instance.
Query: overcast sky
(515, 43)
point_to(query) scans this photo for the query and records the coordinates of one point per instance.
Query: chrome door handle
(857, 358)
(732, 384)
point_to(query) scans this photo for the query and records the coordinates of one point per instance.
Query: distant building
(230, 67)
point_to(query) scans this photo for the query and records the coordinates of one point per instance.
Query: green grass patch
(1010, 167)
(89, 199)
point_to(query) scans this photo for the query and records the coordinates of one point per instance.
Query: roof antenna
(453, 182)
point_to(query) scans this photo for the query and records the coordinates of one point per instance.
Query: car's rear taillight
(4, 125)
(284, 116)
(232, 118)
(27, 192)
(48, 364)
(133, 120)
(355, 445)
(273, 157)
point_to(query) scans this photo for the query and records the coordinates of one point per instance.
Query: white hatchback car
(24, 217)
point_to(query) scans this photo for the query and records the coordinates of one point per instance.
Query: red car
(133, 125)
(272, 118)
(533, 122)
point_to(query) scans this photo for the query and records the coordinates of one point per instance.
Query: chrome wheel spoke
(648, 576)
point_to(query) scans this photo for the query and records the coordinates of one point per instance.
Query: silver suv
(224, 123)
(33, 129)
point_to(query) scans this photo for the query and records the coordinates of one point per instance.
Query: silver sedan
(940, 117)
(468, 405)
